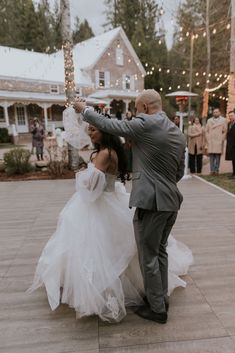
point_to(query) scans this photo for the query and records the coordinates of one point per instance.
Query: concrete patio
(201, 317)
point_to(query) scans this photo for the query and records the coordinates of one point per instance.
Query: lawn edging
(214, 185)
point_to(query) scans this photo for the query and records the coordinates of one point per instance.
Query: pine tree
(82, 31)
(191, 18)
(18, 19)
(26, 26)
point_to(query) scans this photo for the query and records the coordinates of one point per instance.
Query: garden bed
(36, 175)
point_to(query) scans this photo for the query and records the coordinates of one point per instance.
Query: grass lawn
(221, 180)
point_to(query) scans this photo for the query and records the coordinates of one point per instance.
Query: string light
(201, 31)
(219, 86)
(69, 72)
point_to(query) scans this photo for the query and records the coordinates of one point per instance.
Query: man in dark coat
(37, 132)
(230, 149)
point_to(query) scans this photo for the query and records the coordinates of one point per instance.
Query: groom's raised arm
(132, 128)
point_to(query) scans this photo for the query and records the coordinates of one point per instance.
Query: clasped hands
(79, 104)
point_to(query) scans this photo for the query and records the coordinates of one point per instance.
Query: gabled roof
(87, 53)
(29, 65)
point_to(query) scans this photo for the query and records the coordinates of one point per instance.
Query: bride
(90, 262)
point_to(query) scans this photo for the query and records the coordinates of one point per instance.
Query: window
(128, 82)
(101, 79)
(55, 89)
(119, 57)
(20, 111)
(2, 116)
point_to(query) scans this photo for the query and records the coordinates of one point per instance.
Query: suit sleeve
(125, 128)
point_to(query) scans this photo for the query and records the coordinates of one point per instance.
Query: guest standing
(37, 138)
(230, 148)
(195, 145)
(216, 129)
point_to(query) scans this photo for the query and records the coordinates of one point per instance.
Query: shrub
(57, 160)
(17, 161)
(4, 136)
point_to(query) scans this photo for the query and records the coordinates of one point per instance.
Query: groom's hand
(79, 105)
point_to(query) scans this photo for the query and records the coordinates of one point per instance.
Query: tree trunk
(208, 67)
(68, 70)
(231, 85)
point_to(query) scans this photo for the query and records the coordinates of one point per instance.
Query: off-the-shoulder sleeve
(90, 183)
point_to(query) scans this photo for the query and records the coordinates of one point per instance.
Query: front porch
(118, 101)
(17, 110)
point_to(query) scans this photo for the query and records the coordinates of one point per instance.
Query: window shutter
(119, 57)
(97, 78)
(107, 79)
(123, 81)
(132, 83)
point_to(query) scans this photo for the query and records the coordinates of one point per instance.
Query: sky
(93, 11)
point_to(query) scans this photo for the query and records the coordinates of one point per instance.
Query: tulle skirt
(90, 262)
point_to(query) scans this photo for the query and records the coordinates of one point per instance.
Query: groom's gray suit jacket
(158, 157)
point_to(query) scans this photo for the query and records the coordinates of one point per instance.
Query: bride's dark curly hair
(112, 142)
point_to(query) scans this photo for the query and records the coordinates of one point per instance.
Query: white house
(107, 71)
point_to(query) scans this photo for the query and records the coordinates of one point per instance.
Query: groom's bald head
(148, 102)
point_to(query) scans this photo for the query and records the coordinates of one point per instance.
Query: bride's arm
(90, 183)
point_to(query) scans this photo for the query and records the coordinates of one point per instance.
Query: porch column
(127, 101)
(108, 103)
(45, 115)
(6, 116)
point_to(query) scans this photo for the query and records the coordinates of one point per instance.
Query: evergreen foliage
(26, 25)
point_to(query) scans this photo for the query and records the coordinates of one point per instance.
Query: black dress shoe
(145, 299)
(146, 313)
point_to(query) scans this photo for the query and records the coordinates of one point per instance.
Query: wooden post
(191, 71)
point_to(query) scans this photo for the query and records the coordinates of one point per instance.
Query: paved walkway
(201, 317)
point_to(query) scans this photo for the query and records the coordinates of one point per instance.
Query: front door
(21, 119)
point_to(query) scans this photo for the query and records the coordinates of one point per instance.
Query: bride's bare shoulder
(106, 159)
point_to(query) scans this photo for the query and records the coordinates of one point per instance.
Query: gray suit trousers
(152, 229)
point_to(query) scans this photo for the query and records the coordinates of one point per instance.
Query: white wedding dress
(90, 262)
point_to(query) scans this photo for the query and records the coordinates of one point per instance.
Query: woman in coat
(195, 146)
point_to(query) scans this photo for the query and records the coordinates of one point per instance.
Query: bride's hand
(79, 104)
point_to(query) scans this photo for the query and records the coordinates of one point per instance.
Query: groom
(158, 164)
